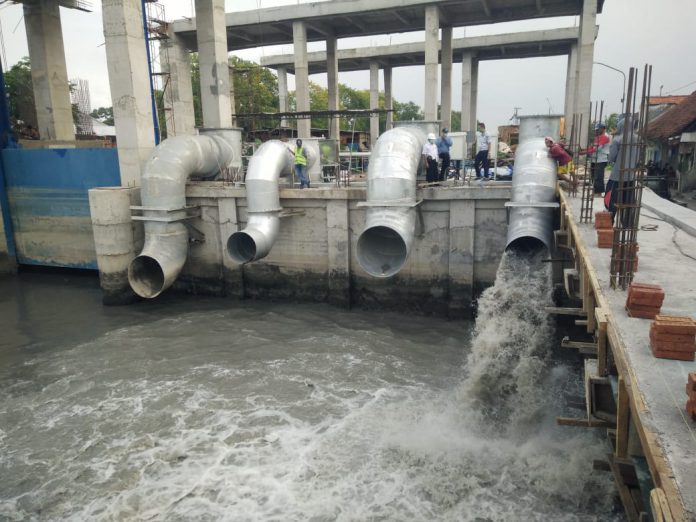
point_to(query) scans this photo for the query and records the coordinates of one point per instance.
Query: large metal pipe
(273, 159)
(530, 223)
(163, 199)
(385, 243)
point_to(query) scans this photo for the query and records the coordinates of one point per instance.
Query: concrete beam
(178, 96)
(49, 73)
(522, 44)
(446, 82)
(213, 64)
(374, 103)
(304, 126)
(474, 95)
(432, 29)
(332, 83)
(129, 79)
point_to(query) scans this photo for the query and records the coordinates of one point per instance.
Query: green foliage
(612, 122)
(20, 92)
(255, 90)
(104, 115)
(318, 101)
(407, 111)
(196, 87)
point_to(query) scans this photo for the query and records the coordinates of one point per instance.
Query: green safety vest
(300, 158)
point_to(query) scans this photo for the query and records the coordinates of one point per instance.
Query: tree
(20, 92)
(104, 115)
(407, 111)
(255, 89)
(612, 122)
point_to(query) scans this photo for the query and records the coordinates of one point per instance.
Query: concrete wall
(454, 256)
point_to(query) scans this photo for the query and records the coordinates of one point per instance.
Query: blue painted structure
(7, 140)
(49, 205)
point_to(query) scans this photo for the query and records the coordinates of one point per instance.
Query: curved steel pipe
(162, 191)
(273, 159)
(385, 243)
(530, 224)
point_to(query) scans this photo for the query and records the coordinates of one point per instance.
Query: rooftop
(675, 120)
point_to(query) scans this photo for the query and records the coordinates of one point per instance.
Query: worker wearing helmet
(430, 158)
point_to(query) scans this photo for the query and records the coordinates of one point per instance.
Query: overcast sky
(631, 33)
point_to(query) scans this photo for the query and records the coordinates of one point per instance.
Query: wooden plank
(660, 506)
(624, 493)
(622, 420)
(559, 310)
(582, 347)
(582, 423)
(601, 338)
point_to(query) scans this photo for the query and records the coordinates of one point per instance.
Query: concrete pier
(178, 99)
(388, 98)
(571, 80)
(583, 88)
(213, 64)
(432, 30)
(332, 84)
(130, 84)
(299, 31)
(446, 82)
(283, 93)
(49, 73)
(468, 88)
(374, 103)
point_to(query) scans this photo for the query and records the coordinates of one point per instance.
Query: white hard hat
(431, 136)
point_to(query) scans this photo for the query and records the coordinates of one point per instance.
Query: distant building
(672, 140)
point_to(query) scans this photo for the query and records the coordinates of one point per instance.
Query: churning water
(205, 409)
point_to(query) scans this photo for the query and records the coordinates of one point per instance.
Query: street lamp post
(623, 92)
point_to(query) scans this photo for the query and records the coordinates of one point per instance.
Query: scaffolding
(157, 34)
(79, 98)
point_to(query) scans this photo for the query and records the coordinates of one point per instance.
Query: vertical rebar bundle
(79, 97)
(629, 191)
(587, 204)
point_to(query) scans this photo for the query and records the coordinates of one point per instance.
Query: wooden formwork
(631, 438)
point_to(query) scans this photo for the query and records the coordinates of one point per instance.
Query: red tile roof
(668, 100)
(675, 120)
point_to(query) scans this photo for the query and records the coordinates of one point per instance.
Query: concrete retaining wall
(455, 254)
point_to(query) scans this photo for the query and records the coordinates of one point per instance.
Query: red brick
(654, 300)
(678, 356)
(644, 286)
(672, 347)
(691, 406)
(643, 312)
(692, 379)
(603, 220)
(675, 324)
(691, 392)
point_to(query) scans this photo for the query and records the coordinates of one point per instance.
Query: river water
(189, 408)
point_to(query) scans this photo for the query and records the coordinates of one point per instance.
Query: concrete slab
(667, 258)
(350, 18)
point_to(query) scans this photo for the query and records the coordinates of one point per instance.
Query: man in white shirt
(430, 158)
(483, 143)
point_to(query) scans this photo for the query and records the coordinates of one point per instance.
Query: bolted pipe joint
(385, 243)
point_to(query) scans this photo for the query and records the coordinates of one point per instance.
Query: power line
(680, 88)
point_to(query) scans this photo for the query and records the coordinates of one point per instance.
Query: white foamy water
(288, 412)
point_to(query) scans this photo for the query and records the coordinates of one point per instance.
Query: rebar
(629, 191)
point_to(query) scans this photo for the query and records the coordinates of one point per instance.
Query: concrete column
(467, 69)
(462, 233)
(211, 33)
(474, 94)
(178, 96)
(299, 35)
(49, 74)
(233, 107)
(432, 26)
(446, 84)
(374, 103)
(337, 223)
(130, 86)
(332, 81)
(388, 100)
(583, 90)
(283, 93)
(571, 78)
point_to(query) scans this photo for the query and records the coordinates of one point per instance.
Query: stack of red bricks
(673, 337)
(644, 301)
(605, 229)
(691, 392)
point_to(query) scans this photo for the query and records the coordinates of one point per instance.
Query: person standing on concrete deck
(628, 165)
(301, 164)
(483, 144)
(599, 151)
(430, 158)
(444, 142)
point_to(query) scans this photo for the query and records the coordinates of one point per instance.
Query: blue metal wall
(49, 206)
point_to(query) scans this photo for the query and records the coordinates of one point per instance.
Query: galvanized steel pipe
(385, 243)
(163, 193)
(530, 223)
(273, 159)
